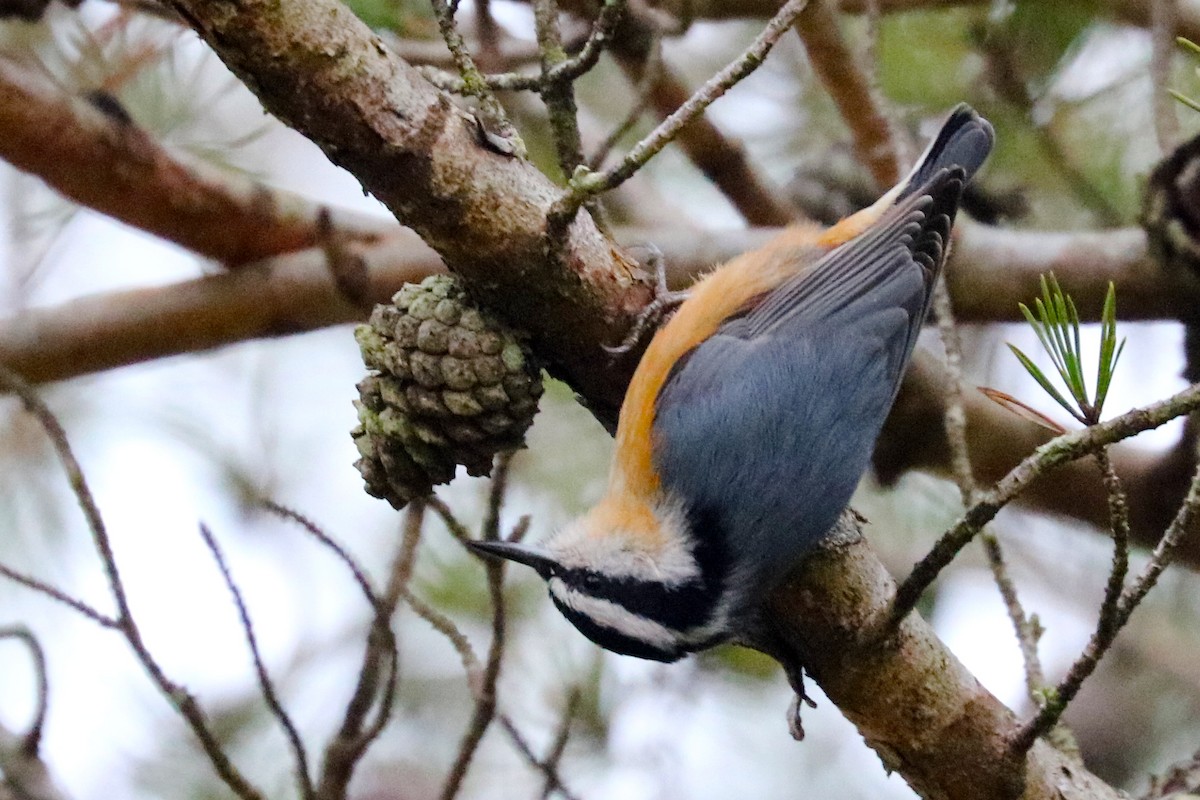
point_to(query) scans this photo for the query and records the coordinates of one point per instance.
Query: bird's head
(633, 586)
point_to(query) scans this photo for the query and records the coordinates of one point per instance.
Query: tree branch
(850, 87)
(999, 441)
(104, 161)
(911, 699)
(323, 72)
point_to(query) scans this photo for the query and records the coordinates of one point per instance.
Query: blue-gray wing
(764, 429)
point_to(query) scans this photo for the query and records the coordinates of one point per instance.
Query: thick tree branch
(285, 295)
(911, 699)
(104, 161)
(1136, 12)
(323, 72)
(990, 271)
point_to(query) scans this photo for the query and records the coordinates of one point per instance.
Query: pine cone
(450, 385)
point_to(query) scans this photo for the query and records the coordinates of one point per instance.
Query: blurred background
(202, 437)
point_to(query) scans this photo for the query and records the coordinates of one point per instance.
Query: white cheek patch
(609, 615)
(621, 554)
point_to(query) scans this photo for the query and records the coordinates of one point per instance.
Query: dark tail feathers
(964, 142)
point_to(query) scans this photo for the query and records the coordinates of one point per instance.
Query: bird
(751, 417)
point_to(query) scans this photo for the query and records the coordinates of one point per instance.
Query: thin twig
(596, 182)
(108, 163)
(559, 96)
(183, 701)
(565, 70)
(31, 740)
(265, 685)
(471, 665)
(24, 774)
(456, 528)
(522, 744)
(1104, 635)
(378, 673)
(1118, 511)
(1052, 454)
(476, 84)
(642, 92)
(59, 596)
(955, 420)
(559, 746)
(445, 626)
(485, 700)
(496, 492)
(339, 551)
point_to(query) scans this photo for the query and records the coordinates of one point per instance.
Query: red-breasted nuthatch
(751, 417)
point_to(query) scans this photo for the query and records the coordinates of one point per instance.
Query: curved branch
(325, 73)
(911, 699)
(102, 160)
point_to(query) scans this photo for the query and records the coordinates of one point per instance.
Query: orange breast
(713, 299)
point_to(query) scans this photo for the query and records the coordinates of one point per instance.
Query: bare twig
(379, 671)
(1107, 630)
(283, 295)
(31, 740)
(339, 551)
(559, 746)
(58, 595)
(445, 626)
(541, 765)
(559, 96)
(590, 184)
(956, 432)
(456, 528)
(183, 701)
(955, 421)
(1049, 456)
(265, 685)
(565, 70)
(1118, 512)
(485, 697)
(651, 72)
(476, 85)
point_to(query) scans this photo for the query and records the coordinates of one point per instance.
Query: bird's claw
(799, 701)
(654, 314)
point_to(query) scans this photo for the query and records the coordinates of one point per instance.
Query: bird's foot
(665, 302)
(799, 701)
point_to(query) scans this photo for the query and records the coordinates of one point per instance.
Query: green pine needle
(1056, 324)
(1194, 51)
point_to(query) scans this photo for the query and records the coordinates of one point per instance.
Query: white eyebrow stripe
(608, 614)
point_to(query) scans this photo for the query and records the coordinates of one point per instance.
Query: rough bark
(318, 68)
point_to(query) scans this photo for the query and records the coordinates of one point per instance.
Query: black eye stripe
(679, 607)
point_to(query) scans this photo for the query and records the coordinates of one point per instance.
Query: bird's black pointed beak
(529, 555)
